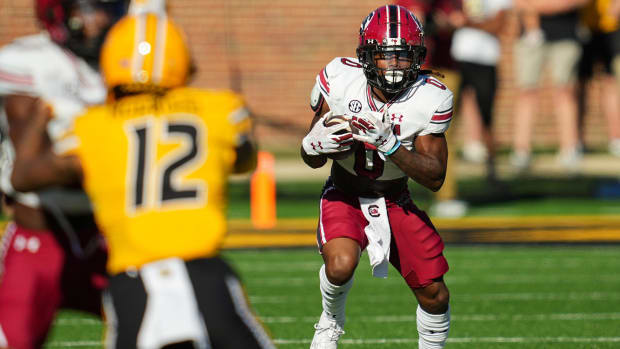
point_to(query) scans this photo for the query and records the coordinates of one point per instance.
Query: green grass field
(510, 296)
(503, 296)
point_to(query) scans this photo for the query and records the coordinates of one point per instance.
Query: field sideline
(509, 296)
(592, 229)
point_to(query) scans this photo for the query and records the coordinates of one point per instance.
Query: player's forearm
(422, 168)
(36, 166)
(27, 151)
(314, 161)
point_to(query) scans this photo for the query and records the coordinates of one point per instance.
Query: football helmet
(393, 33)
(69, 30)
(145, 51)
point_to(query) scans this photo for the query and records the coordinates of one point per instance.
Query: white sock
(334, 297)
(432, 329)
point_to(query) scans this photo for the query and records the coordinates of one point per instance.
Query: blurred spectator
(440, 18)
(603, 47)
(476, 49)
(549, 37)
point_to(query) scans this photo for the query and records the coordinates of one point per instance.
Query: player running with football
(44, 263)
(155, 160)
(397, 114)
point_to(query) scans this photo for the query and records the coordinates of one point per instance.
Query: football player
(42, 270)
(398, 115)
(154, 161)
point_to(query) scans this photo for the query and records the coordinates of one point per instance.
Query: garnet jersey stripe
(324, 83)
(15, 78)
(441, 117)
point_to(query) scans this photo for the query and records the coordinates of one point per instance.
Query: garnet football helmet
(57, 16)
(389, 32)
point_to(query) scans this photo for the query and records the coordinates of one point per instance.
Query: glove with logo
(374, 128)
(324, 139)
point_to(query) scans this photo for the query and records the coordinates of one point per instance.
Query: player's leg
(474, 149)
(340, 257)
(30, 272)
(341, 239)
(485, 86)
(85, 278)
(563, 58)
(124, 303)
(433, 314)
(417, 252)
(529, 54)
(612, 91)
(229, 320)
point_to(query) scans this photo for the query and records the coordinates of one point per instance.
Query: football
(335, 120)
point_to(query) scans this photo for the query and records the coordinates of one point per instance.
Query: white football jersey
(36, 66)
(422, 109)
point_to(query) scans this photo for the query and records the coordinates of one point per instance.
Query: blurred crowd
(558, 44)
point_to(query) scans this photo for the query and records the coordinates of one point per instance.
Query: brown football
(335, 120)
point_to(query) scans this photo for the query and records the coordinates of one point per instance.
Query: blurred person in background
(393, 118)
(440, 18)
(549, 39)
(155, 162)
(476, 49)
(602, 47)
(51, 254)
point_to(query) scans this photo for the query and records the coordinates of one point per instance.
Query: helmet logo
(355, 106)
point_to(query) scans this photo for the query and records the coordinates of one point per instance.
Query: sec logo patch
(355, 106)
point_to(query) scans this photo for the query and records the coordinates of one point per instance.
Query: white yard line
(495, 279)
(379, 341)
(406, 318)
(465, 340)
(487, 297)
(472, 317)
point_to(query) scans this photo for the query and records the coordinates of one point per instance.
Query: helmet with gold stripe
(145, 51)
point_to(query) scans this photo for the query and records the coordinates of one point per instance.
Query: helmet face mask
(391, 48)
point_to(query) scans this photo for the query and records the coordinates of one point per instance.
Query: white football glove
(374, 128)
(324, 140)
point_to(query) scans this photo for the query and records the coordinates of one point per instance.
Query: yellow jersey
(597, 17)
(156, 168)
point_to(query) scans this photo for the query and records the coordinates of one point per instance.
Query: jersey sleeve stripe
(14, 78)
(238, 115)
(441, 117)
(323, 81)
(444, 111)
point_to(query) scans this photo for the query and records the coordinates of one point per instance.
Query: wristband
(393, 150)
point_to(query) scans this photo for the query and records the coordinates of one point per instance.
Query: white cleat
(327, 333)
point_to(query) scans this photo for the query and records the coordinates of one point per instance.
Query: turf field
(509, 296)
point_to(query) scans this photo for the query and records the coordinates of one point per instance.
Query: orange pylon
(263, 192)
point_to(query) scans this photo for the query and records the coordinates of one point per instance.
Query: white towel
(171, 313)
(378, 233)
